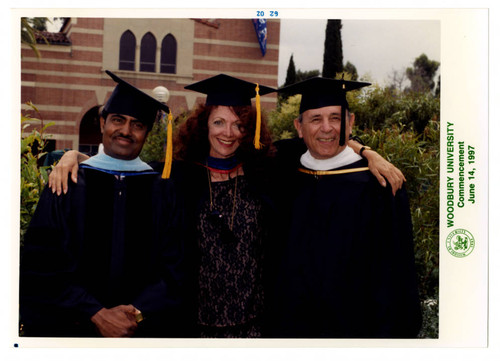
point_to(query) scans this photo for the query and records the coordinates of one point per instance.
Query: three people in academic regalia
(226, 175)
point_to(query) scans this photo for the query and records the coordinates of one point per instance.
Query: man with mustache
(104, 259)
(347, 263)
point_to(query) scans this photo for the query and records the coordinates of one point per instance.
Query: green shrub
(154, 147)
(379, 108)
(373, 107)
(281, 120)
(33, 175)
(415, 109)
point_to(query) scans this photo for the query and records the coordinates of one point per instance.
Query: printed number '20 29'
(272, 13)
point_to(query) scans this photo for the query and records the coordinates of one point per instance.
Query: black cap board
(321, 92)
(226, 90)
(128, 100)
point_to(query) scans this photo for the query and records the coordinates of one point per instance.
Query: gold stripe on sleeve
(333, 172)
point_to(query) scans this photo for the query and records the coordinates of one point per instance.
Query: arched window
(148, 53)
(127, 51)
(168, 54)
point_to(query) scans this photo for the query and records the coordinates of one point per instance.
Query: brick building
(67, 83)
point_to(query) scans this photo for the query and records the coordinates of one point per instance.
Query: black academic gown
(345, 268)
(109, 241)
(191, 181)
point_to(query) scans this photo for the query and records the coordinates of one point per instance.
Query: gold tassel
(256, 141)
(168, 154)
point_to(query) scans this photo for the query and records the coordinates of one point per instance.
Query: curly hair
(191, 139)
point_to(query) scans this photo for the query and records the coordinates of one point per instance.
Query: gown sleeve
(49, 291)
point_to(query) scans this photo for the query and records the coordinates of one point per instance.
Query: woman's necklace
(235, 192)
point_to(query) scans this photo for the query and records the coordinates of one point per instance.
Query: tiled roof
(52, 38)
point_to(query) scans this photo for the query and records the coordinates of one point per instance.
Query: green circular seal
(460, 243)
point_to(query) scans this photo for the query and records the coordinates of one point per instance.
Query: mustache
(121, 135)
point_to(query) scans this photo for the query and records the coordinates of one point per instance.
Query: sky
(375, 47)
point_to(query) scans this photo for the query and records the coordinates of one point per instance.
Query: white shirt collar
(346, 157)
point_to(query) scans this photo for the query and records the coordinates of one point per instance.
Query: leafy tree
(351, 70)
(422, 74)
(373, 107)
(290, 73)
(304, 75)
(155, 145)
(30, 30)
(332, 56)
(379, 108)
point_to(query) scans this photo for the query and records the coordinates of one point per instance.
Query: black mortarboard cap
(321, 92)
(128, 100)
(226, 90)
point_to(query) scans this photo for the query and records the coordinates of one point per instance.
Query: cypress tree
(332, 56)
(290, 79)
(290, 73)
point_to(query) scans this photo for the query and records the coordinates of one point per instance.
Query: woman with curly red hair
(222, 177)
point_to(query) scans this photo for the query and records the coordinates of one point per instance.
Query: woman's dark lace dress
(230, 275)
